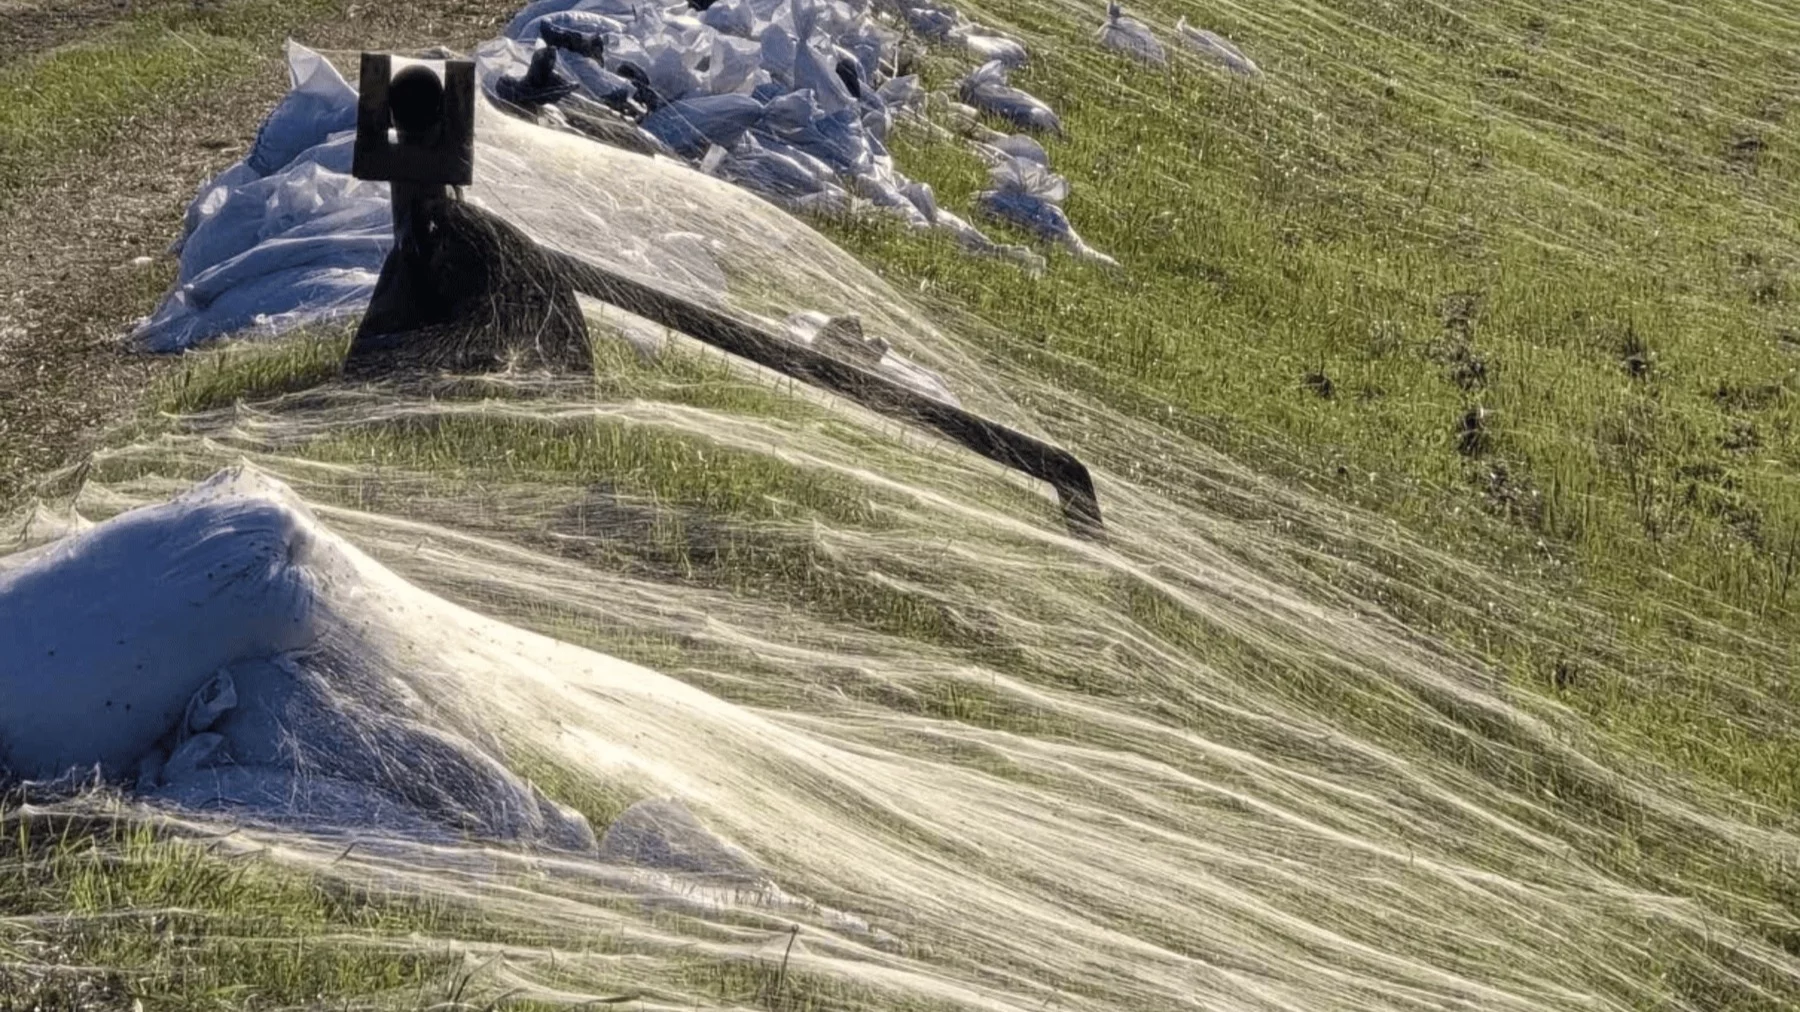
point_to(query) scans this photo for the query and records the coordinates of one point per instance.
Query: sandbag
(1130, 36)
(1216, 48)
(1027, 194)
(110, 632)
(691, 125)
(986, 89)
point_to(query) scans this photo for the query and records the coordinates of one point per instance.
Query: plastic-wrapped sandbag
(831, 201)
(303, 245)
(731, 17)
(923, 198)
(279, 205)
(182, 590)
(885, 195)
(993, 48)
(778, 52)
(671, 66)
(931, 23)
(838, 140)
(902, 94)
(816, 70)
(968, 236)
(1028, 194)
(1130, 36)
(231, 219)
(318, 104)
(1023, 147)
(735, 65)
(1030, 177)
(692, 125)
(986, 89)
(283, 254)
(1216, 48)
(786, 177)
(773, 12)
(298, 743)
(237, 672)
(268, 304)
(877, 121)
(868, 43)
(211, 195)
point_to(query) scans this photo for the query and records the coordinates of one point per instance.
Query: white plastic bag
(987, 48)
(691, 125)
(1028, 195)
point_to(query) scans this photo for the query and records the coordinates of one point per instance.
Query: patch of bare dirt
(27, 26)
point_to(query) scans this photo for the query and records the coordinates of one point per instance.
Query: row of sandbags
(791, 99)
(1134, 38)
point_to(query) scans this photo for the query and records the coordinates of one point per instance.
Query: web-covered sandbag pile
(250, 665)
(791, 99)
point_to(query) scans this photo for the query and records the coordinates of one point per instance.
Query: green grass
(110, 913)
(167, 921)
(252, 370)
(80, 98)
(1544, 219)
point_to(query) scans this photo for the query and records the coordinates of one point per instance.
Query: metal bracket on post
(439, 150)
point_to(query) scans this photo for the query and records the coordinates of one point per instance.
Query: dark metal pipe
(1001, 444)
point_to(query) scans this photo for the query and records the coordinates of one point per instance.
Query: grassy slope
(1551, 215)
(1512, 260)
